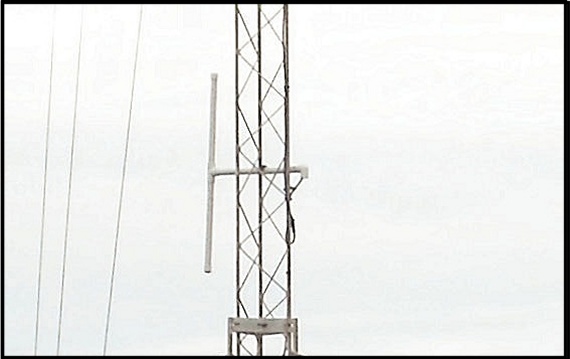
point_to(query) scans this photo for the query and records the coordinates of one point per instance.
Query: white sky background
(431, 224)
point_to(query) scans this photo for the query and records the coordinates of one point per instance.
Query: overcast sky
(431, 224)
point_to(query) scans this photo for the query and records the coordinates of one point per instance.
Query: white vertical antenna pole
(211, 167)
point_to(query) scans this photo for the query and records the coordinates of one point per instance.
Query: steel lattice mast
(265, 229)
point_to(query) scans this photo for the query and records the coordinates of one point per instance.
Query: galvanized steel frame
(256, 124)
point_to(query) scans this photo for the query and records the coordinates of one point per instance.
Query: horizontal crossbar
(303, 170)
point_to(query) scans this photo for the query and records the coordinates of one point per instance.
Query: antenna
(265, 229)
(211, 177)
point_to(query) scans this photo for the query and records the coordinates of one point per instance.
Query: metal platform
(260, 327)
